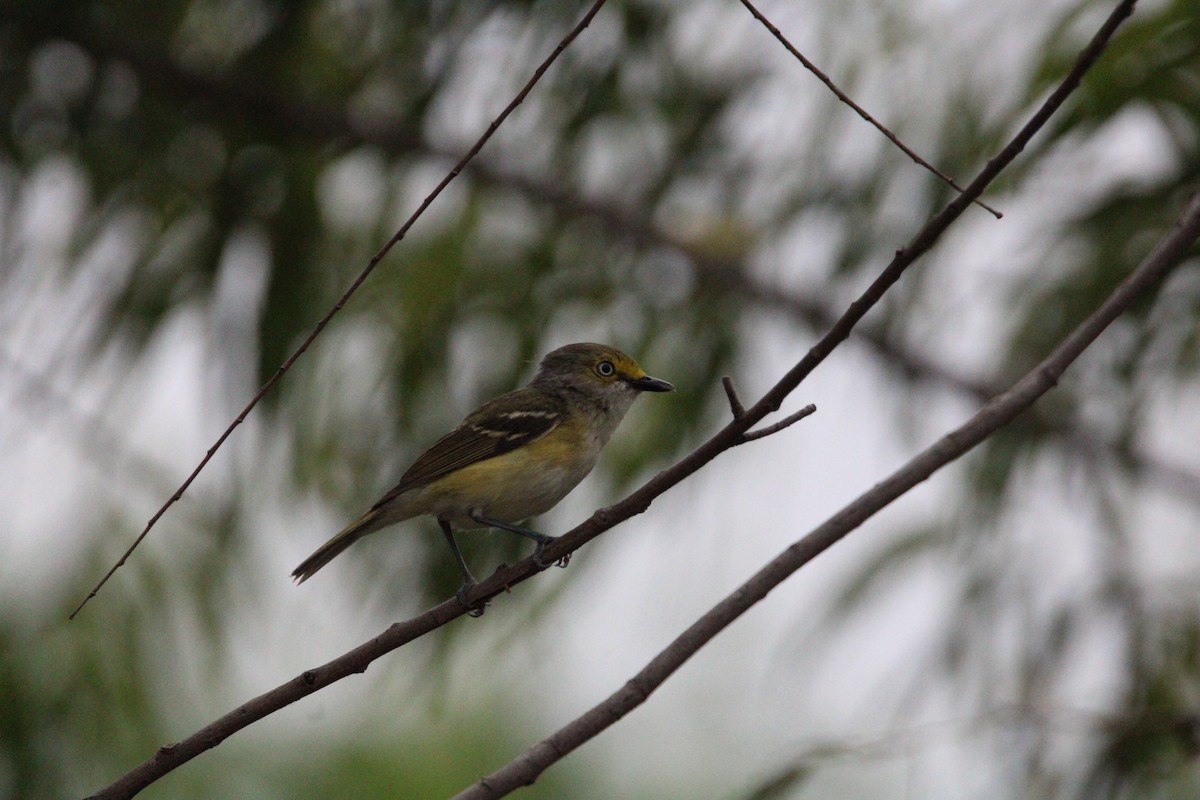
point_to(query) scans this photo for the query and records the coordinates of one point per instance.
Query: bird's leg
(540, 538)
(468, 578)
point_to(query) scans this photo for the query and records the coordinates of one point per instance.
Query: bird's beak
(648, 384)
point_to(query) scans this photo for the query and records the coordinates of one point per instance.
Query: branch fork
(739, 413)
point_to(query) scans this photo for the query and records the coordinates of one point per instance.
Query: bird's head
(597, 369)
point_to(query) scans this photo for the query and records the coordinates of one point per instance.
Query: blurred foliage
(246, 158)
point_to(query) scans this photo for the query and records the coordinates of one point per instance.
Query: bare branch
(526, 768)
(1075, 435)
(358, 281)
(786, 422)
(357, 660)
(735, 404)
(862, 112)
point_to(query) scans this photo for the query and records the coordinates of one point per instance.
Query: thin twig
(362, 276)
(173, 756)
(526, 768)
(735, 404)
(788, 421)
(862, 112)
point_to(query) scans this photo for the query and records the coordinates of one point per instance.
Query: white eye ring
(605, 369)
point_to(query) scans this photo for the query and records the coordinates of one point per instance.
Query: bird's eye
(605, 369)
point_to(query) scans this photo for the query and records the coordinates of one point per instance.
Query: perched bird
(514, 457)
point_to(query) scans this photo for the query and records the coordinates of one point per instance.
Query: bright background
(187, 186)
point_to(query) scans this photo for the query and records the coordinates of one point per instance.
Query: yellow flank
(516, 485)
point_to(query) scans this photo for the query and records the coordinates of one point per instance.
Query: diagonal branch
(397, 635)
(357, 282)
(1075, 435)
(862, 112)
(526, 768)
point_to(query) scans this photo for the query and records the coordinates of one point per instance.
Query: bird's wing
(498, 426)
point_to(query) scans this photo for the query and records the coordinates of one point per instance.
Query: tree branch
(358, 281)
(786, 422)
(170, 757)
(735, 404)
(1076, 436)
(526, 768)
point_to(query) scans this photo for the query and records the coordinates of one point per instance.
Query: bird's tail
(367, 523)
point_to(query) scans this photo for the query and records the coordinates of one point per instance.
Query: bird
(513, 458)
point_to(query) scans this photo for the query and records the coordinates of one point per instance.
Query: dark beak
(648, 384)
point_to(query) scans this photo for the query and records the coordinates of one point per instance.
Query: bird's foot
(472, 610)
(541, 546)
(541, 538)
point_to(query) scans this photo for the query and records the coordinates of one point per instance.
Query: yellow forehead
(625, 365)
(587, 355)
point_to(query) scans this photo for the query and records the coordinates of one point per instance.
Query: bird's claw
(537, 556)
(472, 610)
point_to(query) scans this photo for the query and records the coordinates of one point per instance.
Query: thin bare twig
(526, 768)
(503, 579)
(862, 112)
(358, 281)
(735, 404)
(786, 422)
